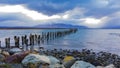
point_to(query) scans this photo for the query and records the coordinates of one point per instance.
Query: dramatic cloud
(30, 13)
(113, 20)
(93, 22)
(90, 13)
(23, 13)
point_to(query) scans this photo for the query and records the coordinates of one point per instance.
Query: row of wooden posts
(35, 39)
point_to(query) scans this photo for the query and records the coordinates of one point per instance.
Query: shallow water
(96, 39)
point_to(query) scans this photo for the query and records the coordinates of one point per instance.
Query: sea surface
(96, 39)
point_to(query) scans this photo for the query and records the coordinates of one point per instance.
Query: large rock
(55, 63)
(82, 64)
(68, 58)
(99, 67)
(16, 58)
(2, 57)
(15, 50)
(57, 66)
(53, 60)
(109, 66)
(69, 63)
(5, 53)
(35, 58)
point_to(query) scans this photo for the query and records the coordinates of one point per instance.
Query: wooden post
(42, 38)
(18, 42)
(8, 43)
(26, 43)
(36, 39)
(22, 39)
(5, 42)
(39, 39)
(0, 44)
(15, 39)
(33, 40)
(45, 37)
(48, 34)
(30, 38)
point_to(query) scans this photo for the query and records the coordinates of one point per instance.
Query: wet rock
(57, 66)
(35, 59)
(2, 57)
(5, 53)
(14, 50)
(53, 60)
(82, 64)
(16, 58)
(109, 66)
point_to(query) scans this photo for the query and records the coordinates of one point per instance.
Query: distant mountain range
(47, 26)
(59, 26)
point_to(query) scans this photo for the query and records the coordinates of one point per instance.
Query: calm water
(96, 39)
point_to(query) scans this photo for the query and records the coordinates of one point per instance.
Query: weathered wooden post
(0, 44)
(39, 39)
(33, 40)
(48, 34)
(22, 39)
(30, 38)
(45, 37)
(42, 38)
(36, 39)
(16, 41)
(26, 43)
(23, 42)
(8, 42)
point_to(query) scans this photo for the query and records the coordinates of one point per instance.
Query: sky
(88, 13)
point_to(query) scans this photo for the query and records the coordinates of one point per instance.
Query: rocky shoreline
(59, 57)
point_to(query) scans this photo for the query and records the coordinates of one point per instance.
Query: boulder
(53, 60)
(57, 66)
(82, 64)
(109, 66)
(16, 58)
(68, 58)
(14, 50)
(35, 59)
(5, 53)
(2, 57)
(69, 63)
(99, 67)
